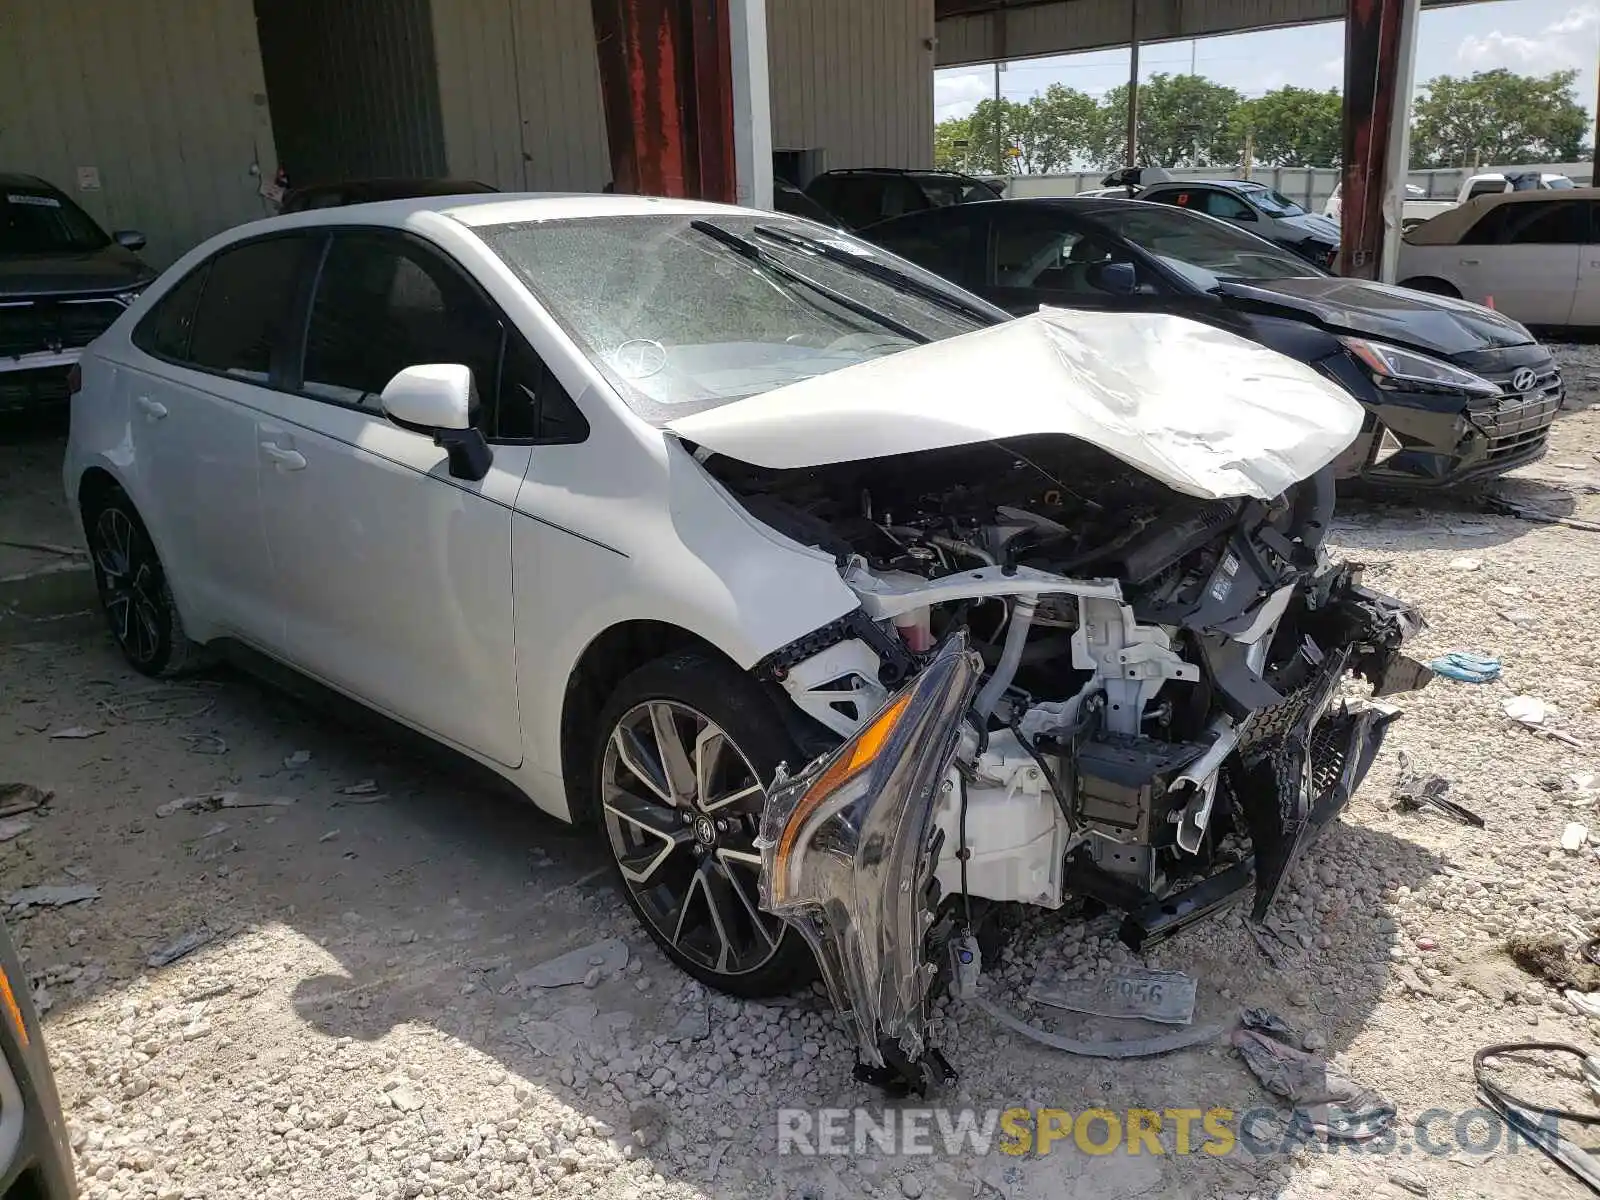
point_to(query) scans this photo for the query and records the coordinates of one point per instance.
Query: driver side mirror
(1114, 278)
(438, 399)
(129, 239)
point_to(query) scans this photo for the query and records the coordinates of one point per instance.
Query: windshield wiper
(882, 272)
(748, 249)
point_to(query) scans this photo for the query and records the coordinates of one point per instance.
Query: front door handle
(1469, 262)
(286, 460)
(152, 409)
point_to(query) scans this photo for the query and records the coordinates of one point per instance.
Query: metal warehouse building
(175, 116)
(170, 115)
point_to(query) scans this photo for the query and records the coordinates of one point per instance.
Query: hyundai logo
(1524, 379)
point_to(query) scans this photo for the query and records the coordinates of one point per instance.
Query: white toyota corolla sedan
(844, 607)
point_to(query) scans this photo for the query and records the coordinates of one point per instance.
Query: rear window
(37, 220)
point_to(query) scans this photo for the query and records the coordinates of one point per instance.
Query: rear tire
(686, 747)
(140, 611)
(1434, 287)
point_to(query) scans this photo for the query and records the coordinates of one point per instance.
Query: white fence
(1309, 187)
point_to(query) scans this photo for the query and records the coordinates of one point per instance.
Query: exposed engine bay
(1065, 678)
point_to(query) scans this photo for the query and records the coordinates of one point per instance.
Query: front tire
(134, 593)
(686, 748)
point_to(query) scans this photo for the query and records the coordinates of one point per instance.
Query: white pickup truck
(1417, 210)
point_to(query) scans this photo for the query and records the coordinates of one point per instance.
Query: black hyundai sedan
(1453, 391)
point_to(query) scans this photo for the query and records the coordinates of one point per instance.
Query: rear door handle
(286, 460)
(1469, 262)
(153, 409)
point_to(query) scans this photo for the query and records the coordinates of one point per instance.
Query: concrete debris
(14, 827)
(329, 836)
(22, 797)
(1573, 837)
(1409, 1180)
(364, 787)
(205, 743)
(211, 801)
(609, 957)
(1465, 564)
(1585, 1004)
(51, 896)
(77, 732)
(187, 944)
(297, 760)
(1520, 617)
(693, 1026)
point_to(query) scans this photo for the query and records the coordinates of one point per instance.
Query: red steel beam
(666, 79)
(1372, 70)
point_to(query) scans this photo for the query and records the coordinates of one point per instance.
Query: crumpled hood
(110, 269)
(1200, 409)
(1438, 324)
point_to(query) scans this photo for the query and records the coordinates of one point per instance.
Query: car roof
(1217, 183)
(1448, 226)
(501, 208)
(18, 180)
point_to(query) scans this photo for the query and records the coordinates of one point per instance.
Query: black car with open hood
(1453, 391)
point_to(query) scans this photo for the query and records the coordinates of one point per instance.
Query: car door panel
(395, 578)
(1526, 256)
(193, 438)
(202, 361)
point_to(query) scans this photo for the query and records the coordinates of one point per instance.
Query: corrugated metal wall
(353, 87)
(853, 78)
(519, 88)
(163, 98)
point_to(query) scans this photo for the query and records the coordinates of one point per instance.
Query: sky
(1526, 36)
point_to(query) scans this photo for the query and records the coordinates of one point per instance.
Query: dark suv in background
(63, 280)
(863, 196)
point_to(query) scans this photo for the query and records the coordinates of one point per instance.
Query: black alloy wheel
(688, 742)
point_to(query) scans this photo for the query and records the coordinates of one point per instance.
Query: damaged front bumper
(851, 846)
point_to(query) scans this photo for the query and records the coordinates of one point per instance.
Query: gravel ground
(354, 1025)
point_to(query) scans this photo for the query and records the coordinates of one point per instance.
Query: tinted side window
(242, 327)
(859, 199)
(382, 304)
(1486, 187)
(941, 246)
(1546, 223)
(165, 329)
(1229, 208)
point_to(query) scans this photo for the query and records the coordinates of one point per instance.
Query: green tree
(1292, 127)
(1063, 130)
(1184, 121)
(1497, 117)
(952, 144)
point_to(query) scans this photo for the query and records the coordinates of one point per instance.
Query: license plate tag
(1164, 996)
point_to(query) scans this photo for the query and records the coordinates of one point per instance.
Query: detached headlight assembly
(1401, 370)
(848, 854)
